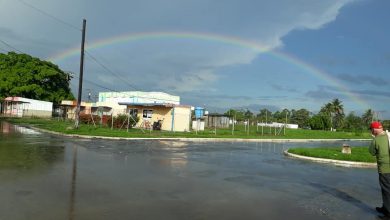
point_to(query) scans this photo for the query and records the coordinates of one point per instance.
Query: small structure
(170, 117)
(67, 110)
(217, 120)
(24, 107)
(346, 149)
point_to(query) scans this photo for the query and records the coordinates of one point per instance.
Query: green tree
(319, 121)
(300, 117)
(335, 111)
(237, 114)
(338, 110)
(353, 122)
(29, 77)
(368, 117)
(265, 115)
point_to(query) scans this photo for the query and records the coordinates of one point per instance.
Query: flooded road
(44, 176)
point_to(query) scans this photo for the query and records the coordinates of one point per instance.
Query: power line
(49, 15)
(107, 69)
(6, 51)
(7, 44)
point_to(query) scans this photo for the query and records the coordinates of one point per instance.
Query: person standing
(380, 148)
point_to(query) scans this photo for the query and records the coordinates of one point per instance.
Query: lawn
(359, 154)
(66, 127)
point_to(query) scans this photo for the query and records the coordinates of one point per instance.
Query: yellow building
(172, 117)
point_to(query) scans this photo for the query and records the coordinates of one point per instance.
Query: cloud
(284, 88)
(364, 79)
(325, 93)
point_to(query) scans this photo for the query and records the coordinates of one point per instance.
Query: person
(379, 147)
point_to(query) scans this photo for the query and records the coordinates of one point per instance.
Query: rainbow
(234, 41)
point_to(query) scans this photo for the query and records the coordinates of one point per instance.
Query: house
(24, 107)
(67, 109)
(171, 117)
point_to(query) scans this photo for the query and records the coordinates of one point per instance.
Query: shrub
(87, 119)
(120, 121)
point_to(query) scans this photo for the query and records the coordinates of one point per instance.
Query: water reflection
(73, 185)
(138, 179)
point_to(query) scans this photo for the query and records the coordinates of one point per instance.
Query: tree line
(29, 77)
(331, 116)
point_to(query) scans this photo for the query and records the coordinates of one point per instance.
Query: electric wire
(49, 15)
(86, 52)
(4, 50)
(10, 46)
(110, 71)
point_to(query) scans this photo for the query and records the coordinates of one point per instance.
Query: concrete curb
(195, 139)
(334, 162)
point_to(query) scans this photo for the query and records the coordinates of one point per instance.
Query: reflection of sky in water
(138, 179)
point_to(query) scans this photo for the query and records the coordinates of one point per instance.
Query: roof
(147, 104)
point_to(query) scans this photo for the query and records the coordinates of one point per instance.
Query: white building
(24, 107)
(111, 99)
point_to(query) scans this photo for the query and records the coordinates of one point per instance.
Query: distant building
(24, 107)
(111, 99)
(217, 120)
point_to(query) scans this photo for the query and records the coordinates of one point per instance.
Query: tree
(319, 121)
(265, 115)
(335, 111)
(29, 77)
(300, 117)
(353, 122)
(237, 114)
(338, 109)
(368, 117)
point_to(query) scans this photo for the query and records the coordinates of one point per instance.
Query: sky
(239, 54)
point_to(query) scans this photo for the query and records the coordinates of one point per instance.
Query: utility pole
(77, 116)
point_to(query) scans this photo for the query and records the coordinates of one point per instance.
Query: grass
(66, 127)
(359, 154)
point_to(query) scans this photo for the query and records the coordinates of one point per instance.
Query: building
(24, 107)
(111, 99)
(67, 109)
(217, 120)
(171, 117)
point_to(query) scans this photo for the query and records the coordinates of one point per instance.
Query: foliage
(353, 123)
(367, 117)
(29, 77)
(265, 115)
(87, 119)
(121, 121)
(319, 122)
(300, 117)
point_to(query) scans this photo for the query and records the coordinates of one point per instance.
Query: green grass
(359, 154)
(66, 127)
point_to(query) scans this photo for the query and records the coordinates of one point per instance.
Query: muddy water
(51, 177)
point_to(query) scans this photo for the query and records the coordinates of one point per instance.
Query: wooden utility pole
(77, 116)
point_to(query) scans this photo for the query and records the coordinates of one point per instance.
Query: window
(147, 113)
(133, 112)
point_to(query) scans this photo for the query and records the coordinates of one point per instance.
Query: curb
(342, 163)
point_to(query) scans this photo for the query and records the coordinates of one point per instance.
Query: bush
(120, 121)
(87, 119)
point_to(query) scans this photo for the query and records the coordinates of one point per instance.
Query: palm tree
(338, 110)
(368, 117)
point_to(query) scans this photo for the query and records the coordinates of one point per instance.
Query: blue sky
(313, 51)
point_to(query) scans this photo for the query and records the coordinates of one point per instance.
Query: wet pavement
(51, 177)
